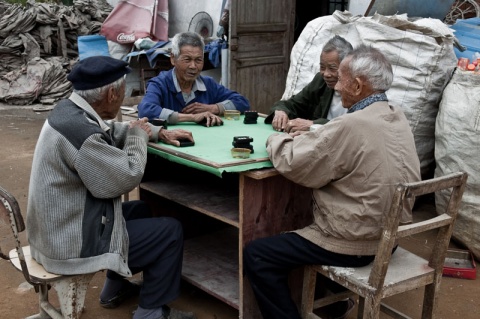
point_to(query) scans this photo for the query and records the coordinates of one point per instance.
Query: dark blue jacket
(161, 93)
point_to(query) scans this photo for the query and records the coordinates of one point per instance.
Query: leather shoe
(128, 291)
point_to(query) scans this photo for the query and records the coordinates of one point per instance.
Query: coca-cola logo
(122, 37)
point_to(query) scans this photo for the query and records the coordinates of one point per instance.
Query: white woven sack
(457, 148)
(421, 54)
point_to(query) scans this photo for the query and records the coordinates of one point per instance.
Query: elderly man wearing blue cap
(76, 221)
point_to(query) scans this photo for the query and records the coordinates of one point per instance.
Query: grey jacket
(80, 169)
(352, 164)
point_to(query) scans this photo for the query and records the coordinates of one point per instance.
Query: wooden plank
(419, 227)
(203, 161)
(263, 61)
(213, 200)
(443, 182)
(211, 263)
(267, 28)
(332, 298)
(260, 45)
(261, 173)
(406, 270)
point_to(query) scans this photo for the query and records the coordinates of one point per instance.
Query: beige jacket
(352, 164)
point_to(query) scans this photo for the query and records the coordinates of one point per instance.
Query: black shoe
(128, 291)
(337, 310)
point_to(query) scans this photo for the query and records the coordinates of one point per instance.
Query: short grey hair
(97, 94)
(372, 66)
(186, 38)
(339, 44)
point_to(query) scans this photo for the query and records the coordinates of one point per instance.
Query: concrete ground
(19, 129)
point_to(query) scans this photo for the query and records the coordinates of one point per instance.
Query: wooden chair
(390, 274)
(71, 290)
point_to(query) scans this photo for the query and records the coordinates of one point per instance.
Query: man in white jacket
(352, 164)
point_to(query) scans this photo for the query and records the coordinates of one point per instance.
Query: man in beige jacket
(352, 164)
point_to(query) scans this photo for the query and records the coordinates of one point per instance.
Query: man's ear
(359, 86)
(172, 59)
(111, 94)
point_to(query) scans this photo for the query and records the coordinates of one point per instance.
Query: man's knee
(175, 227)
(167, 227)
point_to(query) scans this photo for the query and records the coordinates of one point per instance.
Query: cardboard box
(459, 264)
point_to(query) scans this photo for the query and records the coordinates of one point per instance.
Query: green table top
(212, 149)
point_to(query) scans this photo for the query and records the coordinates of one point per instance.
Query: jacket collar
(360, 105)
(81, 103)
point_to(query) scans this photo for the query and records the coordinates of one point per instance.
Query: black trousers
(268, 261)
(156, 248)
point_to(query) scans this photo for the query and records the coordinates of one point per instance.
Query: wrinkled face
(188, 64)
(329, 63)
(346, 85)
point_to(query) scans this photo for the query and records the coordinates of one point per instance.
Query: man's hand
(196, 108)
(298, 125)
(172, 136)
(143, 124)
(279, 121)
(210, 118)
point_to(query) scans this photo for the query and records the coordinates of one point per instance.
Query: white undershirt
(336, 108)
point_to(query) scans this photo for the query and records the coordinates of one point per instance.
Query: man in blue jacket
(182, 94)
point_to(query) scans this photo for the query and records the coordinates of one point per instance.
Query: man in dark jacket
(316, 103)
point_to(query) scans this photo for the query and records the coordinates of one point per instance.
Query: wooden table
(221, 213)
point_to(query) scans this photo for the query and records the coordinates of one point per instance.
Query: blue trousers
(268, 261)
(156, 248)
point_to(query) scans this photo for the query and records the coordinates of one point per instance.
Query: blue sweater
(162, 94)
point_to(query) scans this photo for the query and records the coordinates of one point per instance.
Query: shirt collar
(198, 85)
(360, 105)
(81, 103)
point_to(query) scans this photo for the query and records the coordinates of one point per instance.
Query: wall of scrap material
(38, 46)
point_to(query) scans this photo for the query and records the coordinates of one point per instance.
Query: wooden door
(261, 38)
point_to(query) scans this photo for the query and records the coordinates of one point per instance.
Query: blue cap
(97, 71)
